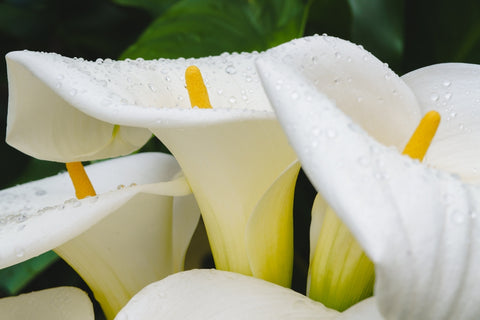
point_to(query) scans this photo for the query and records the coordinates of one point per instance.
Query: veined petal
(247, 155)
(50, 304)
(452, 89)
(360, 85)
(417, 224)
(213, 294)
(271, 224)
(339, 274)
(118, 241)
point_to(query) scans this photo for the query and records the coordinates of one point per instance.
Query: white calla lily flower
(50, 304)
(134, 232)
(417, 222)
(233, 155)
(214, 294)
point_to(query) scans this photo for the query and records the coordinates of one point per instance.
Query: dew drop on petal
(331, 134)
(434, 97)
(363, 161)
(40, 192)
(458, 217)
(232, 99)
(230, 69)
(446, 83)
(19, 252)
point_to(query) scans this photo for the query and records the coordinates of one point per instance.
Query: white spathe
(51, 304)
(134, 232)
(214, 294)
(238, 143)
(418, 224)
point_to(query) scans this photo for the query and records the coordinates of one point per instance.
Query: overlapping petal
(214, 294)
(231, 154)
(119, 241)
(57, 303)
(419, 225)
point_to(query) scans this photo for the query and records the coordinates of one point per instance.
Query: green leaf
(14, 278)
(195, 28)
(378, 25)
(154, 7)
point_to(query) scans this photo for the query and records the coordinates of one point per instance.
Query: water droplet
(152, 87)
(248, 78)
(458, 217)
(40, 192)
(434, 97)
(19, 252)
(73, 92)
(338, 55)
(446, 83)
(364, 161)
(294, 95)
(219, 92)
(314, 59)
(99, 61)
(230, 69)
(448, 95)
(232, 100)
(331, 133)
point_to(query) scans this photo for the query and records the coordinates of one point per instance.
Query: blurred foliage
(196, 28)
(406, 34)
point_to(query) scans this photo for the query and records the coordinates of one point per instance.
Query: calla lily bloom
(136, 231)
(417, 222)
(215, 294)
(50, 304)
(235, 156)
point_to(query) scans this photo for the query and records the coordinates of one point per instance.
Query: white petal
(453, 89)
(60, 103)
(229, 167)
(360, 85)
(58, 303)
(41, 215)
(269, 232)
(365, 310)
(213, 294)
(44, 125)
(418, 225)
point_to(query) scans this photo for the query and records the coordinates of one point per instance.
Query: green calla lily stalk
(134, 232)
